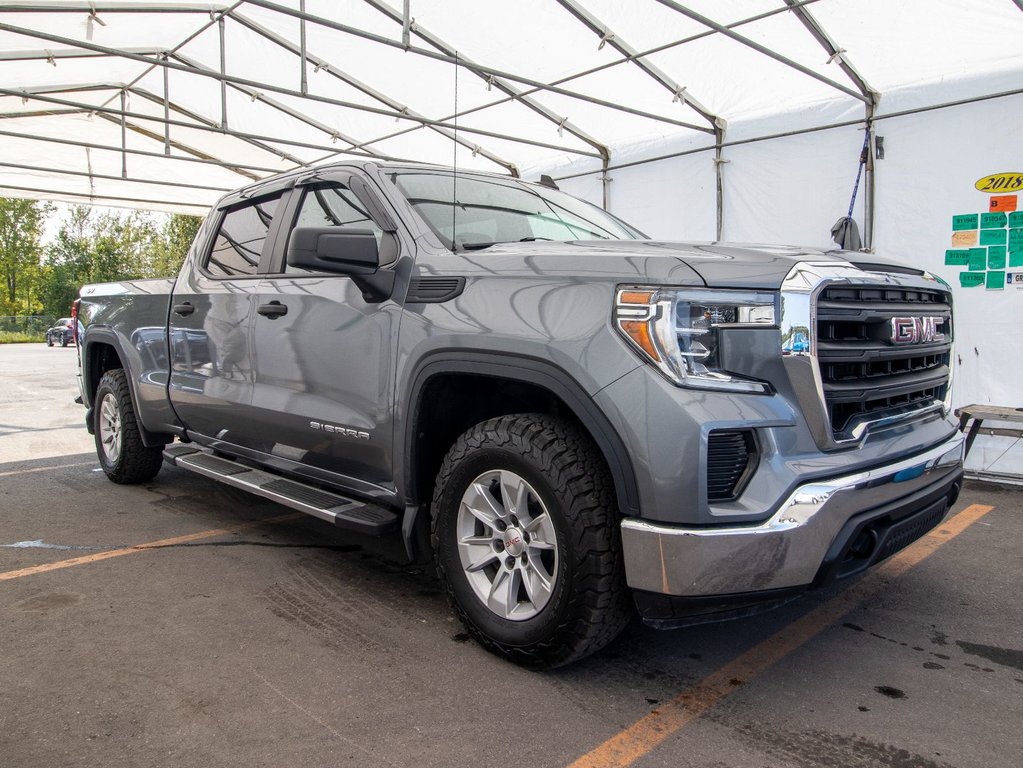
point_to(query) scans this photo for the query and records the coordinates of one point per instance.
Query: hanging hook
(605, 39)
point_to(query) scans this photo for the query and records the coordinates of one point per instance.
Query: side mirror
(334, 249)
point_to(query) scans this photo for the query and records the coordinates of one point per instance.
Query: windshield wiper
(487, 244)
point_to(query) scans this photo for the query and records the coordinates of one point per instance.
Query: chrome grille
(865, 374)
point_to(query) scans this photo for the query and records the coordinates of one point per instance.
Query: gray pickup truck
(577, 423)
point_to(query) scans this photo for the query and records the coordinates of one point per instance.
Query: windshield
(471, 212)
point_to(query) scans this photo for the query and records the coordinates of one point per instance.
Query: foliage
(21, 230)
(17, 337)
(90, 246)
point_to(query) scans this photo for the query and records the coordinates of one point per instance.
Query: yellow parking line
(46, 469)
(110, 553)
(627, 746)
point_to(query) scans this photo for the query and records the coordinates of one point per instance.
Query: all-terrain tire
(590, 603)
(133, 462)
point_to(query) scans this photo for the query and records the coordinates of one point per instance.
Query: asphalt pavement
(182, 624)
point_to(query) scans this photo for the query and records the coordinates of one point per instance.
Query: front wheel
(123, 456)
(527, 541)
(49, 340)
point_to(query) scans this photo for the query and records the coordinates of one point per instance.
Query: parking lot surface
(183, 624)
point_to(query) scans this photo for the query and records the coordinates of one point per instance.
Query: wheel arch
(101, 352)
(523, 374)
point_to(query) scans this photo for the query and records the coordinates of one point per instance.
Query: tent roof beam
(687, 12)
(278, 106)
(284, 91)
(336, 72)
(498, 81)
(206, 159)
(108, 177)
(834, 52)
(159, 120)
(615, 40)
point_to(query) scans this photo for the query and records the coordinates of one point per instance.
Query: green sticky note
(993, 236)
(964, 221)
(957, 257)
(977, 258)
(1016, 237)
(1016, 258)
(992, 220)
(996, 257)
(995, 280)
(971, 279)
(1016, 219)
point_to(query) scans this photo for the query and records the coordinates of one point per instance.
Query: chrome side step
(343, 512)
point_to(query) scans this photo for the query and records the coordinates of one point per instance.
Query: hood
(719, 265)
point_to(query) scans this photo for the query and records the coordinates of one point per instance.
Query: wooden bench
(979, 413)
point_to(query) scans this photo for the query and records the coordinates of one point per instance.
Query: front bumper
(870, 514)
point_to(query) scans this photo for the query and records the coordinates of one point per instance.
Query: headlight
(678, 329)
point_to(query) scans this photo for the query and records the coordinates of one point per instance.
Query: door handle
(273, 309)
(186, 308)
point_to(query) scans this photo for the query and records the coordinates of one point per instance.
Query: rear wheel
(122, 454)
(63, 339)
(527, 540)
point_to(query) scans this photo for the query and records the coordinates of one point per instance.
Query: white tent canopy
(703, 119)
(167, 104)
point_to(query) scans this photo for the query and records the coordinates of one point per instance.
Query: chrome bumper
(786, 550)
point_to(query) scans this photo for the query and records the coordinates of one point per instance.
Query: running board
(341, 511)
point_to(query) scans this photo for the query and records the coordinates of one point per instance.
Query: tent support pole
(166, 110)
(301, 44)
(605, 183)
(719, 173)
(868, 183)
(223, 73)
(124, 138)
(406, 24)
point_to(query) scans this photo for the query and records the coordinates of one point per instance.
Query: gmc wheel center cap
(513, 542)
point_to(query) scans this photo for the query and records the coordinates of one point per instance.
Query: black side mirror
(343, 251)
(334, 249)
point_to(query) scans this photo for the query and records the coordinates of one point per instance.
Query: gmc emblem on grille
(915, 330)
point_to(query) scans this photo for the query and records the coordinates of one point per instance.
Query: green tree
(21, 228)
(176, 238)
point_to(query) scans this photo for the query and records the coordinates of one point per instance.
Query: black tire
(134, 462)
(589, 603)
(63, 340)
(49, 340)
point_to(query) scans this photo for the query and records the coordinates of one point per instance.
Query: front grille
(729, 461)
(864, 373)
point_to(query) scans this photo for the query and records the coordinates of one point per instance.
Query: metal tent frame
(149, 117)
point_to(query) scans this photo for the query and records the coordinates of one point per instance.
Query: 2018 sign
(1000, 182)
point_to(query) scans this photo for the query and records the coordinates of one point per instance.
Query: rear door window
(241, 238)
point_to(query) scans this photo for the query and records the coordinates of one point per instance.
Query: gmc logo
(915, 330)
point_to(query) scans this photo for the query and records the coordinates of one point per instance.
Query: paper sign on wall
(992, 220)
(1016, 219)
(964, 239)
(971, 279)
(995, 280)
(977, 258)
(992, 237)
(957, 257)
(996, 257)
(964, 221)
(1003, 203)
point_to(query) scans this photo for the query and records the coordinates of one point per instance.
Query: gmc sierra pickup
(575, 422)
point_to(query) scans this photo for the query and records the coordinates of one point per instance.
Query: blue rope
(863, 162)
